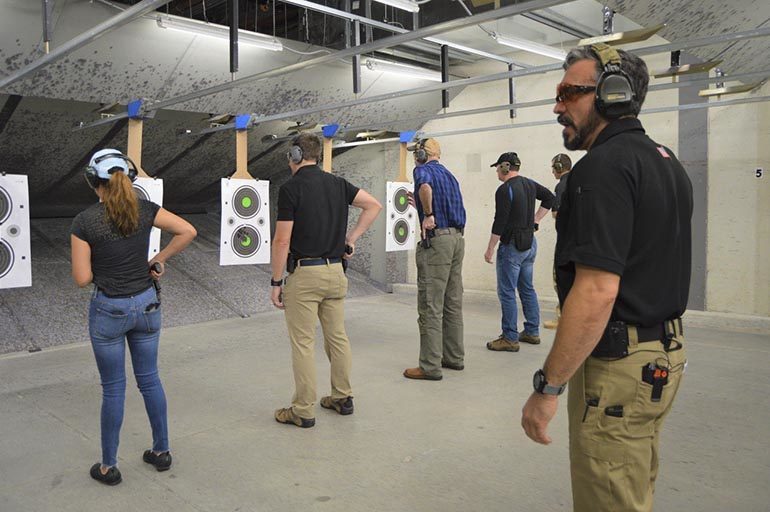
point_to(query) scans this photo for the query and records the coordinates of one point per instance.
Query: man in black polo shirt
(312, 222)
(626, 213)
(561, 165)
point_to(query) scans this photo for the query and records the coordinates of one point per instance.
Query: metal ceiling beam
(657, 110)
(390, 28)
(83, 39)
(421, 33)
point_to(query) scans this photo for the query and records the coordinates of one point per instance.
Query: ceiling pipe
(83, 39)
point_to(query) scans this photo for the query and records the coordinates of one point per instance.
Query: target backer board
(15, 253)
(245, 228)
(151, 189)
(401, 218)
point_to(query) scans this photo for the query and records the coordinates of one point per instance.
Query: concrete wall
(739, 208)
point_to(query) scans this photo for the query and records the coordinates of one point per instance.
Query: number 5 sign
(759, 173)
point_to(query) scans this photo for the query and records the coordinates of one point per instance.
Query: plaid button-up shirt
(447, 199)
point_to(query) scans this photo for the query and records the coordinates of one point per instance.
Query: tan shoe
(343, 406)
(551, 324)
(529, 338)
(503, 345)
(287, 416)
(418, 374)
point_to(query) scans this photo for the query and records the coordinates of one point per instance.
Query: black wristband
(429, 215)
(276, 283)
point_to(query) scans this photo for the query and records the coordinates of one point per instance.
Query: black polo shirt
(627, 210)
(559, 190)
(515, 206)
(317, 202)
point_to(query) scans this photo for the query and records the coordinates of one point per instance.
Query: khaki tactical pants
(440, 302)
(312, 293)
(614, 460)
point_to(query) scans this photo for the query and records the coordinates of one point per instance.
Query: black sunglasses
(568, 92)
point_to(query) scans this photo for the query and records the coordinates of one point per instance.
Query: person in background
(110, 242)
(561, 165)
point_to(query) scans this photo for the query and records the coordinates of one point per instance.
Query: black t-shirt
(627, 210)
(559, 190)
(518, 193)
(317, 202)
(119, 263)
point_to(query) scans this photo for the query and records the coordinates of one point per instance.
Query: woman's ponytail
(121, 204)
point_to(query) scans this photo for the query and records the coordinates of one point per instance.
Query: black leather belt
(656, 332)
(310, 262)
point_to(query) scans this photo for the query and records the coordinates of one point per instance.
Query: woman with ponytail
(110, 242)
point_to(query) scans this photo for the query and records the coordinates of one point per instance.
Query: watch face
(538, 380)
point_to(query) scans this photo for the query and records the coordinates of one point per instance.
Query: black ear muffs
(614, 94)
(295, 154)
(420, 155)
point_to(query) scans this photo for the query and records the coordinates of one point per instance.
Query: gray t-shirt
(119, 263)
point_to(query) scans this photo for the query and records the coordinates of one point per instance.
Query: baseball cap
(104, 161)
(431, 147)
(510, 157)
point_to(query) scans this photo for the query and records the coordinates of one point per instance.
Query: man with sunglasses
(622, 264)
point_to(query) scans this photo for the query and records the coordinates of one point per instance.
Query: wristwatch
(541, 385)
(273, 282)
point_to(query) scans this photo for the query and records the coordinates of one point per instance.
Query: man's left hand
(276, 296)
(537, 414)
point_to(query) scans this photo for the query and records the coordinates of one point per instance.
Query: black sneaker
(343, 406)
(161, 462)
(112, 477)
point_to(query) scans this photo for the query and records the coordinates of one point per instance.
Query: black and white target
(245, 225)
(401, 218)
(15, 253)
(151, 189)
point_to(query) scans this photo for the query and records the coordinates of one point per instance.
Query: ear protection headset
(419, 152)
(614, 93)
(557, 165)
(295, 153)
(92, 173)
(505, 167)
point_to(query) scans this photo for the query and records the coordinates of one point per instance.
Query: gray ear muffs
(614, 94)
(295, 154)
(505, 167)
(558, 166)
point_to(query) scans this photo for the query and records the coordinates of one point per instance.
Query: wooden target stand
(242, 147)
(135, 128)
(329, 131)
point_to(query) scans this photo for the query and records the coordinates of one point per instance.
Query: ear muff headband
(614, 93)
(419, 153)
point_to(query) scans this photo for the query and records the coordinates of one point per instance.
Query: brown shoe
(529, 338)
(503, 345)
(287, 416)
(551, 324)
(343, 406)
(417, 373)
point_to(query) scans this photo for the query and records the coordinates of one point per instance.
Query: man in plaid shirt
(439, 257)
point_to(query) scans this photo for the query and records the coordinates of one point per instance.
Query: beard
(582, 133)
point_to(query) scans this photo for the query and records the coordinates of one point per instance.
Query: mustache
(564, 120)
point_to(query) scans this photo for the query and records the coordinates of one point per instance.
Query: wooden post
(329, 131)
(327, 154)
(135, 127)
(242, 148)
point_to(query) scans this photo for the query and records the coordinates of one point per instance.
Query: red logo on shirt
(663, 152)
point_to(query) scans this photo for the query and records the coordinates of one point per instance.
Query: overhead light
(629, 36)
(687, 69)
(730, 89)
(406, 5)
(402, 69)
(218, 31)
(530, 46)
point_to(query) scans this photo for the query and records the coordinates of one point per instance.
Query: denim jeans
(111, 322)
(514, 271)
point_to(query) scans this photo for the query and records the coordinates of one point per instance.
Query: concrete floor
(454, 445)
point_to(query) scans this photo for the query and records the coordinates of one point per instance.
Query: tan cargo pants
(312, 294)
(614, 460)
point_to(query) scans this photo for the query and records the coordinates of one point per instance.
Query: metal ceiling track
(83, 39)
(657, 110)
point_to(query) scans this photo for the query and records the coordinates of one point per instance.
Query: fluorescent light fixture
(201, 28)
(530, 46)
(402, 69)
(406, 5)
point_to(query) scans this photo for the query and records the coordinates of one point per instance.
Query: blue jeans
(514, 271)
(111, 322)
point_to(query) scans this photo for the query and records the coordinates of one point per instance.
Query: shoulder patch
(663, 152)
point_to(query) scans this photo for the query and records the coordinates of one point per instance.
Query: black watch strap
(541, 385)
(429, 215)
(273, 282)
